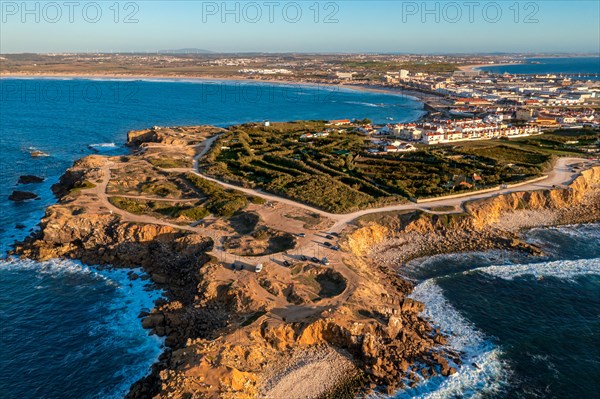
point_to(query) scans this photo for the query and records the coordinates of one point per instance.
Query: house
(433, 137)
(345, 75)
(524, 114)
(339, 122)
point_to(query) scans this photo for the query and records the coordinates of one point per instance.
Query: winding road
(312, 243)
(561, 175)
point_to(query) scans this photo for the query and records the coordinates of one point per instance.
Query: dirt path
(312, 244)
(560, 175)
(150, 198)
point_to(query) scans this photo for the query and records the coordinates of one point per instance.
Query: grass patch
(310, 220)
(130, 205)
(336, 173)
(162, 189)
(82, 185)
(156, 208)
(221, 202)
(171, 163)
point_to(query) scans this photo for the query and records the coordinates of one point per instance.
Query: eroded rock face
(488, 211)
(416, 234)
(224, 330)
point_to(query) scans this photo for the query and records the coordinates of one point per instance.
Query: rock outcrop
(487, 212)
(20, 196)
(399, 238)
(30, 179)
(234, 334)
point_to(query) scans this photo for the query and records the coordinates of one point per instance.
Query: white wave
(579, 231)
(121, 324)
(104, 145)
(562, 269)
(482, 371)
(366, 104)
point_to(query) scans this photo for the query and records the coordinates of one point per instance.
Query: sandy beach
(476, 67)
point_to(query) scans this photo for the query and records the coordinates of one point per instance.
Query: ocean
(527, 327)
(70, 330)
(558, 65)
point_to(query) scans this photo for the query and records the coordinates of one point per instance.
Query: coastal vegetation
(221, 202)
(171, 163)
(413, 67)
(184, 211)
(333, 170)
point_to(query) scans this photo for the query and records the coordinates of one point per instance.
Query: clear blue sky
(355, 26)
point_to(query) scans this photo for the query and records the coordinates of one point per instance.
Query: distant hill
(186, 51)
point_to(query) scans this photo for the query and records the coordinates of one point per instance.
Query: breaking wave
(104, 328)
(562, 269)
(482, 371)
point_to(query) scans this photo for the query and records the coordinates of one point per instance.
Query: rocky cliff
(491, 223)
(487, 212)
(231, 334)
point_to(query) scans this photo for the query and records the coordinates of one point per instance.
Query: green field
(335, 173)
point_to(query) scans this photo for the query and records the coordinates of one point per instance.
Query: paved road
(559, 176)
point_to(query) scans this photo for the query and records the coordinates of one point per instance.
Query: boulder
(30, 179)
(19, 196)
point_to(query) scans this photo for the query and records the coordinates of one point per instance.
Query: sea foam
(562, 269)
(482, 371)
(120, 322)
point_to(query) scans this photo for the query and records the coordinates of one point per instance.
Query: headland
(276, 285)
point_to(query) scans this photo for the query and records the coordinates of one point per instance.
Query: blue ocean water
(568, 65)
(71, 331)
(527, 327)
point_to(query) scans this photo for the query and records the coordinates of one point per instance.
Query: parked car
(314, 259)
(327, 243)
(287, 263)
(304, 258)
(325, 261)
(301, 235)
(335, 248)
(329, 237)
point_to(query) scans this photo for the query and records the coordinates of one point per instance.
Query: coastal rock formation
(234, 333)
(491, 223)
(487, 212)
(30, 179)
(20, 196)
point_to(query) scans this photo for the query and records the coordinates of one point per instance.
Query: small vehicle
(304, 258)
(258, 268)
(287, 263)
(314, 259)
(327, 243)
(335, 248)
(301, 235)
(325, 261)
(329, 237)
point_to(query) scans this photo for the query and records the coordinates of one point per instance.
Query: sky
(462, 26)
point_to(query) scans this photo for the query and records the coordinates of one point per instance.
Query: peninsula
(279, 254)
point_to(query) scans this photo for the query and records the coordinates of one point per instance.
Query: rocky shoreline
(488, 224)
(226, 333)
